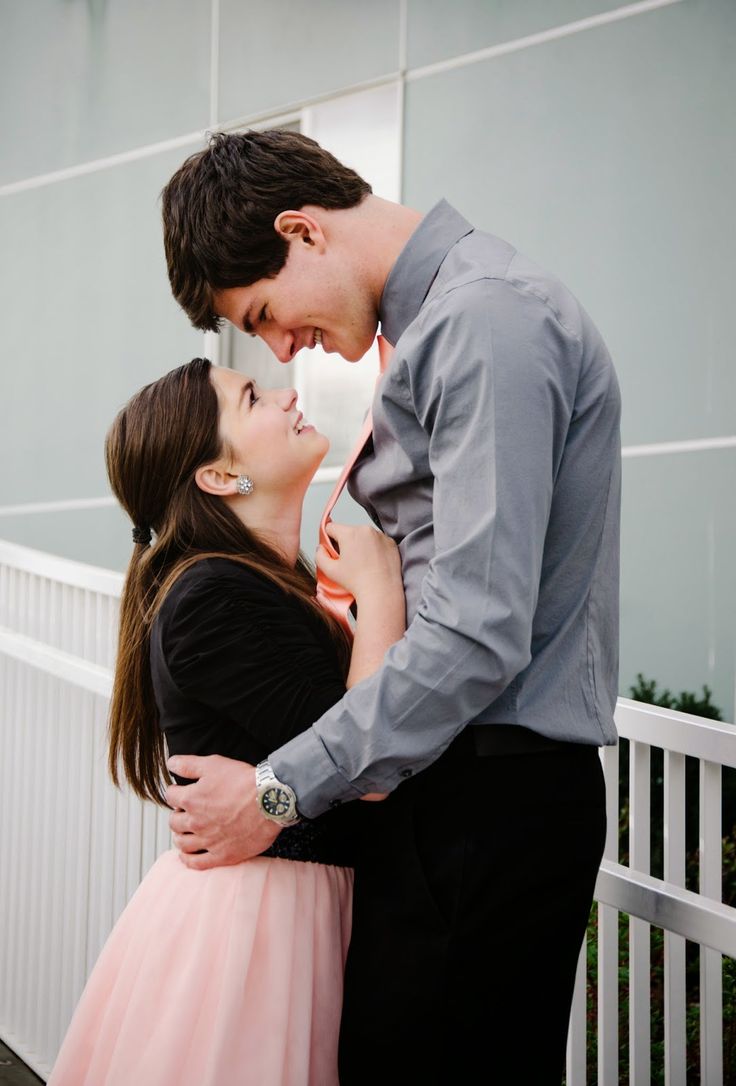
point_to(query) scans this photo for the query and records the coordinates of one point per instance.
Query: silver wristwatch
(276, 800)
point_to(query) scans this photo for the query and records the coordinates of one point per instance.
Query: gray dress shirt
(496, 467)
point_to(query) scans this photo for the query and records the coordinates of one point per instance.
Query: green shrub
(646, 690)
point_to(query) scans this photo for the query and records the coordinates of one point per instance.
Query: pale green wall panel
(88, 317)
(610, 158)
(678, 574)
(99, 537)
(437, 29)
(287, 51)
(83, 79)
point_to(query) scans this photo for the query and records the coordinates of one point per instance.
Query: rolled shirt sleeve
(488, 372)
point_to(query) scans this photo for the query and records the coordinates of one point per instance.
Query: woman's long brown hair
(152, 450)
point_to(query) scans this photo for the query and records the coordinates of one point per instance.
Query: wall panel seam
(280, 113)
(328, 475)
(529, 41)
(121, 158)
(214, 62)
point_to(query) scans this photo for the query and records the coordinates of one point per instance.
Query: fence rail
(73, 848)
(665, 903)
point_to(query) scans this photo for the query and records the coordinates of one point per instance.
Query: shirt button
(406, 772)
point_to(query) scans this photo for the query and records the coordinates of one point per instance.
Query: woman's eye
(262, 315)
(253, 397)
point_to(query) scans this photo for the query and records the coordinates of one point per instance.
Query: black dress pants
(472, 895)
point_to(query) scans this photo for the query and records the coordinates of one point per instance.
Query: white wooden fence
(665, 903)
(73, 848)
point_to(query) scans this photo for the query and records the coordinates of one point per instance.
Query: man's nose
(281, 343)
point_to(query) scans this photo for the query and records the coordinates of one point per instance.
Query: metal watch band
(265, 779)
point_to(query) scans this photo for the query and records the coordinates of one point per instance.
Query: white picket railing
(664, 903)
(73, 848)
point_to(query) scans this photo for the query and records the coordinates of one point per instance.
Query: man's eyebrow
(247, 387)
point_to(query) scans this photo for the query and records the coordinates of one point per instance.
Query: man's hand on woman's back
(216, 820)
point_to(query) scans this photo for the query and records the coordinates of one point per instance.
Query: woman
(233, 975)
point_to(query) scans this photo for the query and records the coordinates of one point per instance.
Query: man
(495, 464)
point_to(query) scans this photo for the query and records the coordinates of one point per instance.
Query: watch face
(276, 802)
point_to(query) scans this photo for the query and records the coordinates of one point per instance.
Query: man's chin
(355, 353)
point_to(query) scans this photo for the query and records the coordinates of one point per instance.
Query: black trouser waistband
(489, 739)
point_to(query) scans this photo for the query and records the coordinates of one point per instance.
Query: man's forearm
(395, 723)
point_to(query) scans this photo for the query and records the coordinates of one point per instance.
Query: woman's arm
(369, 567)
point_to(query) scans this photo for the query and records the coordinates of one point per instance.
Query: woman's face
(266, 432)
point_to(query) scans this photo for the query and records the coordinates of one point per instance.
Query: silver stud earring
(244, 484)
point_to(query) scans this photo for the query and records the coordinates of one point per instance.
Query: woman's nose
(287, 398)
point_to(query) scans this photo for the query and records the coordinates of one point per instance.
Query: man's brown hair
(219, 209)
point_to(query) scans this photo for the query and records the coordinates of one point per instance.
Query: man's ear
(300, 227)
(213, 479)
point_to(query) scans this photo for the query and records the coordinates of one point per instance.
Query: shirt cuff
(304, 764)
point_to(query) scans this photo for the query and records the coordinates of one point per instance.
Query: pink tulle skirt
(228, 977)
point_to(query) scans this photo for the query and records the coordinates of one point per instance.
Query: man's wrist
(276, 800)
(304, 762)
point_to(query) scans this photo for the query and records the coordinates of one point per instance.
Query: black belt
(489, 739)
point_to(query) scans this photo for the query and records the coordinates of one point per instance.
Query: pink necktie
(330, 595)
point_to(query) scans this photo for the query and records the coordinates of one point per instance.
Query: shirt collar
(416, 267)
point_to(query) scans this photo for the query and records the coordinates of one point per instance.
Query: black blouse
(239, 667)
